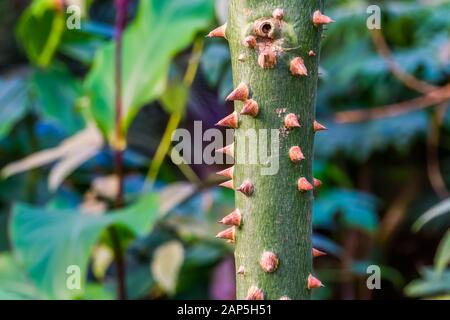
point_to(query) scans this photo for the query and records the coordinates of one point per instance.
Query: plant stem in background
(119, 146)
(275, 55)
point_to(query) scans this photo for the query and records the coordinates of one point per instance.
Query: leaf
(166, 264)
(357, 209)
(431, 284)
(161, 29)
(13, 102)
(442, 258)
(440, 209)
(47, 241)
(175, 97)
(57, 91)
(70, 154)
(214, 60)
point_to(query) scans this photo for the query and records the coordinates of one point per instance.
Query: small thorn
(250, 108)
(241, 57)
(246, 188)
(241, 271)
(240, 93)
(291, 121)
(228, 150)
(296, 154)
(311, 53)
(250, 41)
(317, 253)
(267, 59)
(278, 14)
(318, 127)
(317, 183)
(313, 282)
(320, 19)
(304, 185)
(269, 262)
(230, 121)
(254, 293)
(285, 298)
(298, 67)
(233, 219)
(227, 234)
(227, 184)
(227, 173)
(218, 32)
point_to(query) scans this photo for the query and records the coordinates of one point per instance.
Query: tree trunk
(276, 216)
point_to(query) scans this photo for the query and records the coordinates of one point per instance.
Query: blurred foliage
(376, 206)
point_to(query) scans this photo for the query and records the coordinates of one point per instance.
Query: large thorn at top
(320, 19)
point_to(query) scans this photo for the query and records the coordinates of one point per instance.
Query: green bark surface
(277, 217)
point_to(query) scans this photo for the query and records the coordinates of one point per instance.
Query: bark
(277, 216)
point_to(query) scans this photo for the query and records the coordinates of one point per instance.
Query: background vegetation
(384, 199)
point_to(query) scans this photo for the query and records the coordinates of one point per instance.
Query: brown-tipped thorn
(269, 262)
(250, 41)
(317, 253)
(227, 234)
(246, 188)
(250, 108)
(228, 150)
(321, 19)
(240, 93)
(298, 67)
(291, 121)
(313, 282)
(318, 127)
(296, 154)
(230, 121)
(254, 293)
(218, 32)
(311, 53)
(227, 184)
(304, 185)
(233, 219)
(227, 173)
(267, 59)
(317, 183)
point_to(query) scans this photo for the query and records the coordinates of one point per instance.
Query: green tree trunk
(276, 217)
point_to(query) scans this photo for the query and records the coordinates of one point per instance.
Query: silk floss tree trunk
(275, 49)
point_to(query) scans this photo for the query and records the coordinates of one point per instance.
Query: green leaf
(13, 102)
(57, 91)
(161, 29)
(40, 30)
(357, 209)
(175, 97)
(431, 284)
(442, 258)
(440, 209)
(47, 242)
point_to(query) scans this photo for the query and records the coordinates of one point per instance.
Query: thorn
(241, 57)
(285, 298)
(298, 67)
(227, 234)
(304, 185)
(250, 41)
(228, 150)
(296, 154)
(227, 173)
(320, 19)
(278, 14)
(230, 121)
(254, 293)
(311, 53)
(317, 253)
(313, 282)
(233, 219)
(227, 184)
(250, 108)
(241, 271)
(318, 127)
(317, 183)
(269, 262)
(246, 188)
(218, 32)
(240, 93)
(291, 121)
(267, 59)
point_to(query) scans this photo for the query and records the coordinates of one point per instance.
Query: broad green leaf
(166, 264)
(440, 209)
(47, 242)
(40, 30)
(175, 97)
(13, 103)
(442, 258)
(57, 91)
(357, 209)
(431, 284)
(14, 284)
(161, 29)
